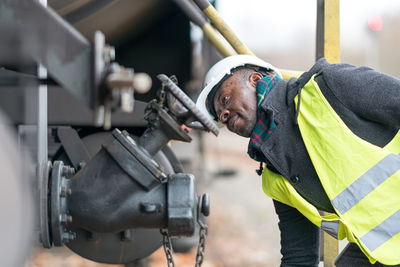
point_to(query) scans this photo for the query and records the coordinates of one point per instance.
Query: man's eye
(224, 99)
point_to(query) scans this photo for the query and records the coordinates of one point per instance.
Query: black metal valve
(120, 189)
(111, 210)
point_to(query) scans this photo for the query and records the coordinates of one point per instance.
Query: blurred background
(283, 32)
(156, 37)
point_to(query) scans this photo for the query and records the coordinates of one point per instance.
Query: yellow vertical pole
(331, 249)
(332, 54)
(331, 31)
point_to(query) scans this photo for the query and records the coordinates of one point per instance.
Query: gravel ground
(243, 227)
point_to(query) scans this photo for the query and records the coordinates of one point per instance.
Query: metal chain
(167, 247)
(203, 233)
(202, 244)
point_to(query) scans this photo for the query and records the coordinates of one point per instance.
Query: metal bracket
(73, 146)
(39, 34)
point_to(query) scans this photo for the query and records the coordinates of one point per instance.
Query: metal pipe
(195, 15)
(288, 74)
(214, 38)
(42, 147)
(231, 37)
(223, 27)
(153, 140)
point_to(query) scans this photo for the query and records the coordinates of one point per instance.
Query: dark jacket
(367, 101)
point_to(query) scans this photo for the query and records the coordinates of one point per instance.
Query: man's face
(235, 103)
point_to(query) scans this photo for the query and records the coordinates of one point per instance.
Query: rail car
(82, 104)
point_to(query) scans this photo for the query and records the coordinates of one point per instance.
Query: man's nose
(224, 116)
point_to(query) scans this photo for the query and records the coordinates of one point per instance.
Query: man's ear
(254, 77)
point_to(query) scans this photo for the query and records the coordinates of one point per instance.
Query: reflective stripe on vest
(383, 232)
(362, 180)
(366, 183)
(331, 227)
(278, 188)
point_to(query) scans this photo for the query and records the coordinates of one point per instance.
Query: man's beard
(248, 129)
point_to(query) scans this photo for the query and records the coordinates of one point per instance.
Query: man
(330, 142)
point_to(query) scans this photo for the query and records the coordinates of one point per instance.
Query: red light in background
(375, 23)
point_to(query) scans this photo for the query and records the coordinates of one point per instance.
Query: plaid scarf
(264, 125)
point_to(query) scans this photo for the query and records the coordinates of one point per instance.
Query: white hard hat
(224, 69)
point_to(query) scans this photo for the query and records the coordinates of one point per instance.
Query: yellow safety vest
(361, 180)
